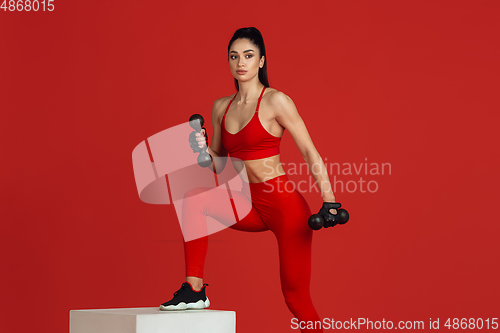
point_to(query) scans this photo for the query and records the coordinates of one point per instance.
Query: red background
(410, 83)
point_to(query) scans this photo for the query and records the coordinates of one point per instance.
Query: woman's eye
(248, 56)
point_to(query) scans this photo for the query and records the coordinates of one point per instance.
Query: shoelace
(184, 286)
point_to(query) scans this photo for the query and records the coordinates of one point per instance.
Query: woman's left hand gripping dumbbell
(328, 216)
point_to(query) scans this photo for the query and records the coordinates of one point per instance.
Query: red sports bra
(253, 141)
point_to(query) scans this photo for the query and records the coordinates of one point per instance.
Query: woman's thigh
(288, 221)
(213, 202)
(284, 213)
(248, 218)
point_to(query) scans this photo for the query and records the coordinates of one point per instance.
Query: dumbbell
(317, 221)
(196, 121)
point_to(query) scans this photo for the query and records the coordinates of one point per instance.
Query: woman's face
(244, 59)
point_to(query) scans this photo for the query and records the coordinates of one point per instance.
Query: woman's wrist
(328, 196)
(329, 199)
(211, 152)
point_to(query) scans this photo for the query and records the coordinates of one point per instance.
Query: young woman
(249, 125)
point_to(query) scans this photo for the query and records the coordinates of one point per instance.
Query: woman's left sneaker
(187, 298)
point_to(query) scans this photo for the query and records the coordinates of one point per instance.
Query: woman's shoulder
(220, 102)
(276, 97)
(220, 105)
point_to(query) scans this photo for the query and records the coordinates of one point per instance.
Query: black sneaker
(187, 298)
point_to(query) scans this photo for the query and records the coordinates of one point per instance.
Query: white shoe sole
(183, 306)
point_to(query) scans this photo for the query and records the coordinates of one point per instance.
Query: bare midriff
(260, 170)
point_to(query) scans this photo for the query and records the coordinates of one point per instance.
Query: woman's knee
(201, 197)
(297, 296)
(198, 192)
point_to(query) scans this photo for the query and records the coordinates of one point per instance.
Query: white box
(151, 320)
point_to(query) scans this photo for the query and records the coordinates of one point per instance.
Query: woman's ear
(261, 63)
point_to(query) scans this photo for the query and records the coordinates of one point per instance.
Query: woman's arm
(288, 116)
(216, 149)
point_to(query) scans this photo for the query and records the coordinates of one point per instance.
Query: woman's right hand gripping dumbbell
(198, 140)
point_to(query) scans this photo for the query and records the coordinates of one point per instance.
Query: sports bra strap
(258, 103)
(260, 97)
(230, 103)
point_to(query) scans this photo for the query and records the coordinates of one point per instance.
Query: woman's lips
(241, 72)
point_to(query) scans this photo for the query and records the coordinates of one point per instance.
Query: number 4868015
(27, 5)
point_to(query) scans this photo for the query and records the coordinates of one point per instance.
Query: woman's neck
(249, 91)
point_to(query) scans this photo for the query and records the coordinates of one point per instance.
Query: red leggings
(275, 207)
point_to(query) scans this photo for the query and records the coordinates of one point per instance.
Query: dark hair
(254, 35)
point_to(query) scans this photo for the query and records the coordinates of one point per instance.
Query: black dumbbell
(196, 121)
(317, 221)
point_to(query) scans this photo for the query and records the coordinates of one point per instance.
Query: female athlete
(248, 125)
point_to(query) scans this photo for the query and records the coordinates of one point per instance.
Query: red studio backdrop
(399, 97)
